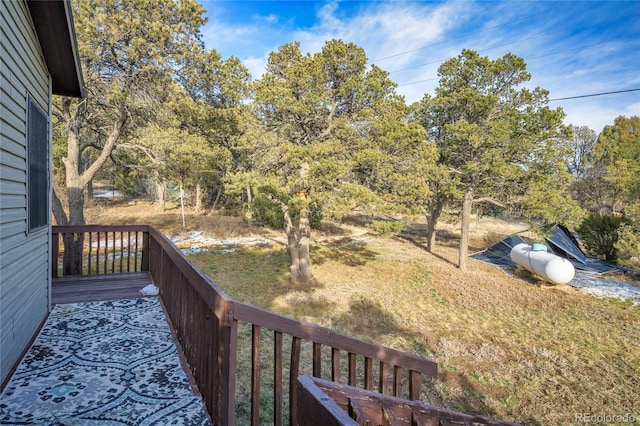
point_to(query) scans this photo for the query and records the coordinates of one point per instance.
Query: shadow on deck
(93, 288)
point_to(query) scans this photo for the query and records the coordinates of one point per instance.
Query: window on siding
(38, 167)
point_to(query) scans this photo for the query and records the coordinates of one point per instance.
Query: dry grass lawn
(507, 347)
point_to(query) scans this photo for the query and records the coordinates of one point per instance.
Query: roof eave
(53, 23)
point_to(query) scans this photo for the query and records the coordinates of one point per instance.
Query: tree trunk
(435, 210)
(467, 203)
(58, 210)
(198, 207)
(298, 237)
(76, 205)
(73, 252)
(218, 195)
(77, 180)
(161, 189)
(73, 243)
(184, 225)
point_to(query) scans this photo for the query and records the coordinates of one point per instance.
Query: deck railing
(94, 250)
(326, 403)
(220, 336)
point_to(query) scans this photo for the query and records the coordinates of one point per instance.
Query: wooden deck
(91, 288)
(207, 323)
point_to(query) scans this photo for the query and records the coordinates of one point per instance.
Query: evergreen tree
(334, 138)
(497, 142)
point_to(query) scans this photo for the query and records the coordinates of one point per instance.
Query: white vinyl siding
(24, 257)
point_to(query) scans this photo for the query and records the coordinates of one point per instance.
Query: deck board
(92, 288)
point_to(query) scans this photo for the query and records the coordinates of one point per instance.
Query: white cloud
(632, 109)
(256, 66)
(410, 39)
(597, 113)
(387, 29)
(394, 36)
(271, 18)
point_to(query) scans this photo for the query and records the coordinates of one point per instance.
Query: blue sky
(572, 48)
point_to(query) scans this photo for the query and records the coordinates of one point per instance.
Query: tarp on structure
(563, 244)
(499, 253)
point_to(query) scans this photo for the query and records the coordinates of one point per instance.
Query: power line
(595, 94)
(568, 50)
(416, 82)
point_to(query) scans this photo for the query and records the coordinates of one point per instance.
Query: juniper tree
(334, 138)
(497, 141)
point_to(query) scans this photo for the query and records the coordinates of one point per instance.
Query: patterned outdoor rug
(102, 363)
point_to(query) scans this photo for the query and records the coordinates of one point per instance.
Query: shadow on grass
(472, 400)
(260, 276)
(348, 253)
(371, 321)
(254, 275)
(421, 243)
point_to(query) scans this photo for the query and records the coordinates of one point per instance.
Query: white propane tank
(552, 268)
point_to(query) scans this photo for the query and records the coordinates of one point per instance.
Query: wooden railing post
(256, 367)
(397, 381)
(277, 378)
(296, 345)
(145, 251)
(415, 380)
(228, 350)
(55, 247)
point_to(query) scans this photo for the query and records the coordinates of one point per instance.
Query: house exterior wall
(24, 255)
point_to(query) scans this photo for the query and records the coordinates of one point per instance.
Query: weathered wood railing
(345, 360)
(201, 315)
(99, 249)
(325, 403)
(210, 326)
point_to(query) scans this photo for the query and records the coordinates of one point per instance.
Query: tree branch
(114, 135)
(489, 200)
(148, 152)
(58, 210)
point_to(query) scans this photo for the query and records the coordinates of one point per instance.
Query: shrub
(628, 244)
(264, 212)
(386, 226)
(600, 235)
(315, 215)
